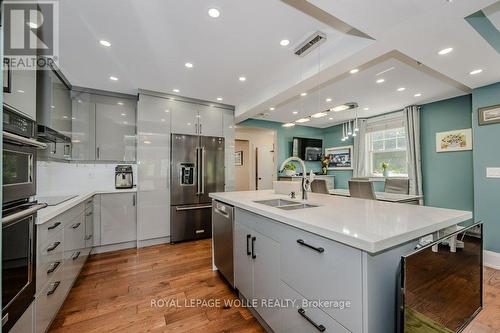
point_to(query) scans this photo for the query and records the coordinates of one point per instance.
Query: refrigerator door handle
(203, 156)
(198, 170)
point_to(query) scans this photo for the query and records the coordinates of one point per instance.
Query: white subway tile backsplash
(56, 178)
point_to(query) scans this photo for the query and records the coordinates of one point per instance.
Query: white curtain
(359, 163)
(411, 115)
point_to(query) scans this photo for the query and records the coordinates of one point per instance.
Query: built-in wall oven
(18, 215)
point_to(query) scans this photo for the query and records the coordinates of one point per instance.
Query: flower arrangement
(385, 167)
(290, 169)
(324, 163)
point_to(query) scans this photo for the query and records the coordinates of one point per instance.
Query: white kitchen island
(330, 268)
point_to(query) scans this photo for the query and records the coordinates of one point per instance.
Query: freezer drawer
(223, 224)
(190, 222)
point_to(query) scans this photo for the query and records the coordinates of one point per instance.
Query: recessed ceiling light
(73, 118)
(52, 107)
(328, 100)
(418, 95)
(20, 91)
(188, 65)
(219, 99)
(303, 94)
(104, 43)
(295, 112)
(445, 51)
(113, 78)
(302, 120)
(284, 42)
(124, 114)
(120, 103)
(380, 81)
(162, 120)
(147, 142)
(340, 108)
(242, 78)
(167, 111)
(319, 115)
(288, 125)
(366, 109)
(214, 12)
(271, 108)
(176, 90)
(125, 122)
(65, 117)
(476, 71)
(354, 71)
(402, 89)
(330, 118)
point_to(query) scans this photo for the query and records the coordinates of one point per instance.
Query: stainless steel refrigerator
(197, 169)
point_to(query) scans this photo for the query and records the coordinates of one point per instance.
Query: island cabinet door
(266, 279)
(243, 265)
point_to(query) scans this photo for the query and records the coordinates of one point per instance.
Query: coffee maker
(124, 177)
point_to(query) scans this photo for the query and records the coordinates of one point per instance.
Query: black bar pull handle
(55, 225)
(75, 226)
(253, 248)
(320, 328)
(53, 267)
(248, 245)
(317, 249)
(75, 255)
(54, 288)
(53, 246)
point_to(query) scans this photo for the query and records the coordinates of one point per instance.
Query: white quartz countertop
(50, 212)
(368, 225)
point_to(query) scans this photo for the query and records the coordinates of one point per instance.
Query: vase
(324, 170)
(289, 173)
(386, 173)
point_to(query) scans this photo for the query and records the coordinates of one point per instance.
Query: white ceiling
(151, 41)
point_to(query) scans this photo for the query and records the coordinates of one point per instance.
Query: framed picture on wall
(238, 158)
(456, 140)
(339, 158)
(489, 115)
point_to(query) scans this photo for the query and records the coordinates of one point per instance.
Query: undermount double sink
(285, 204)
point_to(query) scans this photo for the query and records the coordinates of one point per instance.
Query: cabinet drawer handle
(248, 245)
(53, 246)
(75, 255)
(253, 248)
(320, 328)
(76, 225)
(55, 225)
(54, 288)
(317, 249)
(89, 237)
(53, 267)
(88, 214)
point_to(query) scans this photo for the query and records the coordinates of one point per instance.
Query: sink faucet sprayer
(306, 182)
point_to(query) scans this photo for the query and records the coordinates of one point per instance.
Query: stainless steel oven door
(18, 268)
(19, 172)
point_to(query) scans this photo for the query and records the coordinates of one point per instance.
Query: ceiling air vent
(310, 43)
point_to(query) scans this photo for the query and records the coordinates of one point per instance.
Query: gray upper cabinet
(83, 135)
(115, 130)
(210, 121)
(22, 94)
(185, 118)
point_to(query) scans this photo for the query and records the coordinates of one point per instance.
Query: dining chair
(362, 189)
(397, 185)
(319, 186)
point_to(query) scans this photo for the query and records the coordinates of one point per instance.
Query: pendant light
(349, 129)
(343, 132)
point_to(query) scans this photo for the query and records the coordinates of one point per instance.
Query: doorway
(256, 146)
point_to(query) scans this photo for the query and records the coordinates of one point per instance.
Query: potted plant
(289, 169)
(385, 170)
(324, 163)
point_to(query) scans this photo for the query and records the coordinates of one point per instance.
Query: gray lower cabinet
(257, 271)
(26, 322)
(118, 218)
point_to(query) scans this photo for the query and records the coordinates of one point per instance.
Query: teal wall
(332, 137)
(487, 154)
(447, 177)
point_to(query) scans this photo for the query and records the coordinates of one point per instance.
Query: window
(386, 142)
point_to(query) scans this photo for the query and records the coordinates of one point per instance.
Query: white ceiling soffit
(152, 40)
(421, 85)
(493, 14)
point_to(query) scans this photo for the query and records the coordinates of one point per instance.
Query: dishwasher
(222, 237)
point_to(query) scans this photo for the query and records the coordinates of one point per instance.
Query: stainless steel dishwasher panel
(222, 234)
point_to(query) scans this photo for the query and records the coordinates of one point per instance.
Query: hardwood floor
(114, 293)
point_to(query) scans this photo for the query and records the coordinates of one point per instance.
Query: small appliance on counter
(124, 177)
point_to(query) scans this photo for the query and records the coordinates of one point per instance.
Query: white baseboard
(491, 259)
(154, 241)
